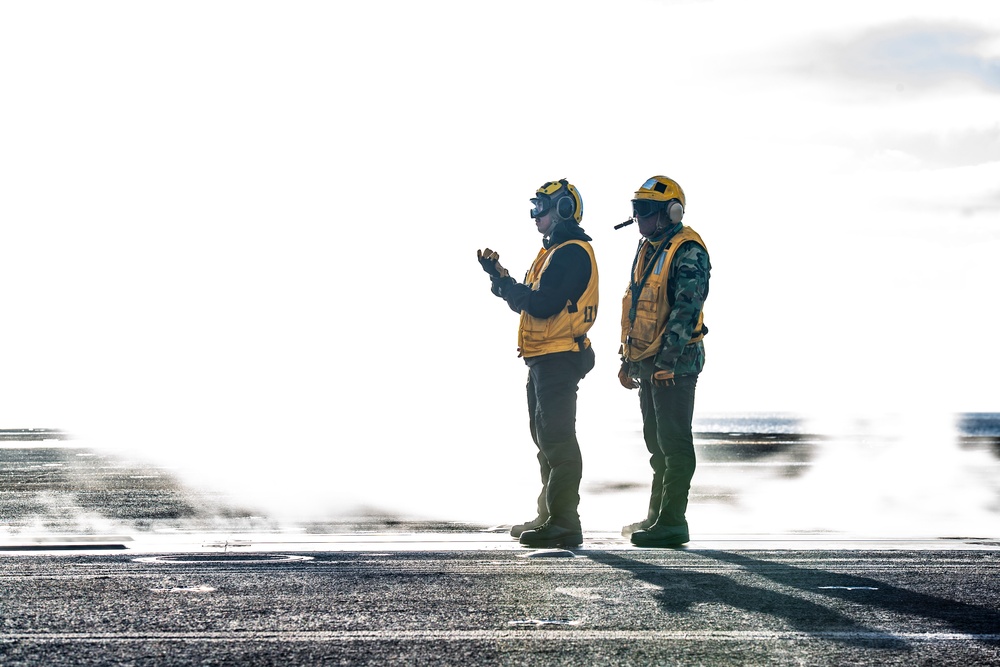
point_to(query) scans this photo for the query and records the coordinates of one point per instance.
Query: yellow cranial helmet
(560, 197)
(655, 195)
(660, 188)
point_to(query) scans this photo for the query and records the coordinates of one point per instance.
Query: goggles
(540, 206)
(645, 208)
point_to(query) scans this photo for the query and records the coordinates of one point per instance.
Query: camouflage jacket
(687, 289)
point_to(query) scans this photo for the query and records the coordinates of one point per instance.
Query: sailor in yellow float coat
(558, 305)
(567, 330)
(663, 353)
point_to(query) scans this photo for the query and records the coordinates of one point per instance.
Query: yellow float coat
(642, 337)
(567, 330)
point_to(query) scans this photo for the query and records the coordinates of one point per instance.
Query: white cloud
(911, 53)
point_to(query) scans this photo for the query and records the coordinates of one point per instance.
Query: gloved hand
(491, 264)
(663, 379)
(623, 377)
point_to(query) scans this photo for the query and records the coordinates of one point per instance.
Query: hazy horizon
(237, 226)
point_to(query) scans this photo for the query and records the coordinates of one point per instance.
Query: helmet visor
(645, 208)
(539, 206)
(651, 185)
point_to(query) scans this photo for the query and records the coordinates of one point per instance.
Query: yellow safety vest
(642, 337)
(566, 331)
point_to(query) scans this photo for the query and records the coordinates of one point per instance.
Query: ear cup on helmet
(675, 211)
(565, 207)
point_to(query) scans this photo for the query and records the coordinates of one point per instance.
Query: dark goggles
(540, 206)
(646, 208)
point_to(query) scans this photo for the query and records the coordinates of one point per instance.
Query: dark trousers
(553, 380)
(667, 413)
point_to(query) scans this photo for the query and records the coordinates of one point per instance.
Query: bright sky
(231, 226)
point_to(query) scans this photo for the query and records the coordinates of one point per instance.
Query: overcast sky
(237, 225)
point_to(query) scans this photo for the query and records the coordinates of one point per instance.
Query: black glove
(490, 263)
(624, 378)
(663, 379)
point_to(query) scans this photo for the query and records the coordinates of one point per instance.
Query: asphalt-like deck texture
(402, 594)
(601, 606)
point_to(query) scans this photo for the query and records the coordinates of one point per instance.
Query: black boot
(638, 525)
(653, 510)
(552, 535)
(661, 536)
(537, 522)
